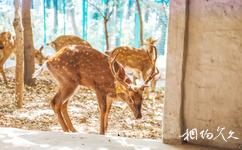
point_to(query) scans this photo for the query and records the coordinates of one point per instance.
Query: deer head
(151, 48)
(150, 41)
(39, 56)
(7, 39)
(127, 90)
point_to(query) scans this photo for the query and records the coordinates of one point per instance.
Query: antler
(116, 76)
(154, 70)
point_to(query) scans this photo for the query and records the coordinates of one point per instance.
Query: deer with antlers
(58, 43)
(80, 65)
(140, 60)
(7, 47)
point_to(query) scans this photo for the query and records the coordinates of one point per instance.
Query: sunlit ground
(36, 113)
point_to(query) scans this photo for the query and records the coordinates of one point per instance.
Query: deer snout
(138, 115)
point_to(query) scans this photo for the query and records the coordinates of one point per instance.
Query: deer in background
(58, 43)
(8, 47)
(140, 60)
(80, 65)
(65, 40)
(7, 40)
(39, 57)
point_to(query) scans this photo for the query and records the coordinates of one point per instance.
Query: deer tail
(40, 70)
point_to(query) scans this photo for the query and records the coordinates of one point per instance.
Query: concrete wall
(208, 64)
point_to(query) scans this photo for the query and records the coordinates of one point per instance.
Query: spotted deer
(80, 65)
(7, 47)
(65, 40)
(7, 40)
(58, 43)
(39, 57)
(140, 60)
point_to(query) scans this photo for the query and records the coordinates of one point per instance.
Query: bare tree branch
(111, 12)
(154, 5)
(97, 8)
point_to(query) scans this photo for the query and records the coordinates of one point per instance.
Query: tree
(71, 13)
(84, 18)
(106, 14)
(141, 23)
(28, 42)
(55, 3)
(19, 54)
(160, 7)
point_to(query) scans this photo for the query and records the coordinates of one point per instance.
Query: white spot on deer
(73, 48)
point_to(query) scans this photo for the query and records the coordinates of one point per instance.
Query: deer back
(66, 40)
(82, 65)
(132, 57)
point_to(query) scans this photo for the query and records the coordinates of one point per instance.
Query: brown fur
(58, 43)
(65, 40)
(39, 57)
(80, 65)
(7, 40)
(137, 58)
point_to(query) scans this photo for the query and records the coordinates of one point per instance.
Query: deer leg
(102, 110)
(147, 90)
(136, 75)
(67, 118)
(56, 105)
(66, 92)
(4, 76)
(153, 84)
(108, 107)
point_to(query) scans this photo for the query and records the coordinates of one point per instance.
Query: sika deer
(7, 40)
(65, 40)
(140, 60)
(58, 43)
(39, 57)
(79, 65)
(7, 47)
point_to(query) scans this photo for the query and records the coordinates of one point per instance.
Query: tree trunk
(72, 16)
(55, 2)
(84, 18)
(141, 23)
(106, 32)
(28, 43)
(19, 54)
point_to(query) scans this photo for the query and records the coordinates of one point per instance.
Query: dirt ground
(36, 113)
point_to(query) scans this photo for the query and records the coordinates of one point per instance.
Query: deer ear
(41, 48)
